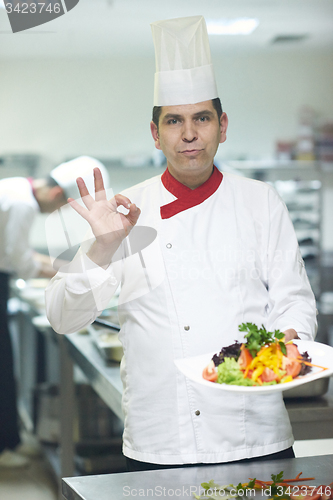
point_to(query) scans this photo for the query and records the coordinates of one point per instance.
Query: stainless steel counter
(311, 418)
(104, 377)
(183, 482)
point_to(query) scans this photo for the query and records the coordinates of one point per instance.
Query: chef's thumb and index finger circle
(100, 195)
(134, 211)
(122, 201)
(117, 201)
(133, 214)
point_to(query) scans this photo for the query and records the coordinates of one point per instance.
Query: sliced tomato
(331, 487)
(326, 492)
(291, 363)
(292, 351)
(244, 359)
(322, 492)
(210, 372)
(268, 375)
(315, 496)
(293, 367)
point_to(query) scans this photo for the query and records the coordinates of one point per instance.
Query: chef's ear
(154, 133)
(223, 127)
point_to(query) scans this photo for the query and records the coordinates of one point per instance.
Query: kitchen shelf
(303, 200)
(299, 184)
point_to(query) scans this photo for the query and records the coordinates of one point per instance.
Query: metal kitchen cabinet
(303, 200)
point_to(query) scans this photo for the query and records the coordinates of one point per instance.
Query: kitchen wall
(63, 108)
(102, 107)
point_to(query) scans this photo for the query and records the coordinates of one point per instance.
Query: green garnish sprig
(212, 491)
(256, 338)
(249, 486)
(276, 478)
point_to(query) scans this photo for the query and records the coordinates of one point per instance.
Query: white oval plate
(321, 354)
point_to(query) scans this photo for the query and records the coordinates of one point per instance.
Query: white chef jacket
(233, 258)
(18, 208)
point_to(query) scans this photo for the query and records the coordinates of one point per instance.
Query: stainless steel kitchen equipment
(184, 482)
(105, 336)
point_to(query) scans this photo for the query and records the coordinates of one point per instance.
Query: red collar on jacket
(186, 197)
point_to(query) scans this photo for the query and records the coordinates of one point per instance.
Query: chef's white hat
(66, 174)
(184, 72)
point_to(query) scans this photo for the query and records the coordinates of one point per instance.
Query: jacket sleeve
(291, 300)
(79, 292)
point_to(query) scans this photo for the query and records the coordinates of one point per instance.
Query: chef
(20, 200)
(225, 253)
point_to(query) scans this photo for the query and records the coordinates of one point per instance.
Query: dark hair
(218, 106)
(157, 110)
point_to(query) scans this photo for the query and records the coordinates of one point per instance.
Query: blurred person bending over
(20, 200)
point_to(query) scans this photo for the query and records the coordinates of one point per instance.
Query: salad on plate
(262, 359)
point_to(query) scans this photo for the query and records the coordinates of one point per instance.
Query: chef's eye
(203, 118)
(172, 121)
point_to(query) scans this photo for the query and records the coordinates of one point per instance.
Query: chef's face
(189, 136)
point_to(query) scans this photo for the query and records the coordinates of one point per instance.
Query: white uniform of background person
(20, 200)
(18, 208)
(230, 259)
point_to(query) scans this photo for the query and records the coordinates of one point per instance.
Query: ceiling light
(238, 26)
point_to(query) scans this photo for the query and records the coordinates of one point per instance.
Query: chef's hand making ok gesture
(109, 226)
